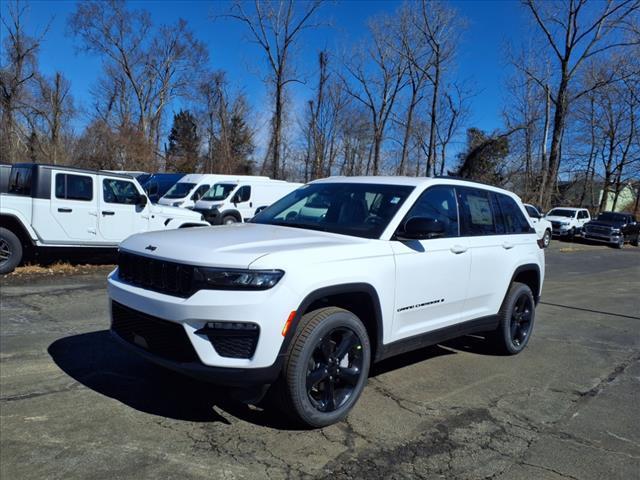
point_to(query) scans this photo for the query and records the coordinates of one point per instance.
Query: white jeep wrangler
(338, 274)
(55, 208)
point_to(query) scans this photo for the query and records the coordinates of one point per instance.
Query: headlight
(615, 231)
(235, 279)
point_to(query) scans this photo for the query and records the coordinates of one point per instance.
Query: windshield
(357, 209)
(219, 192)
(612, 217)
(561, 212)
(180, 190)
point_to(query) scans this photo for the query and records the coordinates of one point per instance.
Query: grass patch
(58, 268)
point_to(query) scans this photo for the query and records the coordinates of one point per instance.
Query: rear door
(73, 208)
(119, 214)
(482, 229)
(431, 275)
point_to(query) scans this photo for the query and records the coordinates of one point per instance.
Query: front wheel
(517, 316)
(229, 219)
(10, 251)
(546, 238)
(620, 243)
(327, 367)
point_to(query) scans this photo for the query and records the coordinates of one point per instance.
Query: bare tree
(575, 33)
(375, 75)
(18, 69)
(147, 70)
(276, 26)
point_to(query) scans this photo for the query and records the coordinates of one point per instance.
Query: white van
(191, 187)
(237, 201)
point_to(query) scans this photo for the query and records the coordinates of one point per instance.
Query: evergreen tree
(184, 143)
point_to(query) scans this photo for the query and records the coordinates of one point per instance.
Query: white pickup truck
(56, 207)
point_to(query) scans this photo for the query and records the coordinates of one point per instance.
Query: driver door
(431, 275)
(119, 214)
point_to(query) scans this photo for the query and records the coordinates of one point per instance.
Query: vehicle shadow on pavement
(96, 360)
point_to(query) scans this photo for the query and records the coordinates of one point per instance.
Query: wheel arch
(528, 274)
(231, 212)
(361, 299)
(16, 225)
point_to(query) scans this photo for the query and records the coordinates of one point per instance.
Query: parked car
(190, 188)
(567, 221)
(237, 201)
(53, 207)
(542, 225)
(159, 183)
(338, 274)
(613, 227)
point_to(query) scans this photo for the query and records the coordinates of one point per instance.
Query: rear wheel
(327, 367)
(546, 238)
(10, 251)
(229, 219)
(517, 316)
(636, 241)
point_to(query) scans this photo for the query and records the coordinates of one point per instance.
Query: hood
(174, 212)
(554, 218)
(236, 245)
(207, 204)
(605, 223)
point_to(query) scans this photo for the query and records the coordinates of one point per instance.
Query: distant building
(626, 198)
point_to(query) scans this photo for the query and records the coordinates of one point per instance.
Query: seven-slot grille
(157, 275)
(160, 337)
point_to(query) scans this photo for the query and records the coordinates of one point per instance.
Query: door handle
(108, 212)
(65, 210)
(507, 245)
(457, 249)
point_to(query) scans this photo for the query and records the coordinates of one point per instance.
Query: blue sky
(490, 25)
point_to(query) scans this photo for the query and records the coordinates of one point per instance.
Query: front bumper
(602, 237)
(267, 308)
(211, 215)
(560, 230)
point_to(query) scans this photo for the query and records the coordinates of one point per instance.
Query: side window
(119, 191)
(243, 194)
(531, 211)
(153, 188)
(477, 215)
(74, 187)
(582, 214)
(438, 202)
(513, 218)
(20, 181)
(200, 191)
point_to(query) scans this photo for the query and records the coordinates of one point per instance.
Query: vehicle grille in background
(157, 275)
(160, 337)
(555, 224)
(598, 229)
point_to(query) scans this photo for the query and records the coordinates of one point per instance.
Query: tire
(546, 238)
(229, 219)
(620, 243)
(572, 234)
(314, 388)
(10, 251)
(517, 316)
(636, 241)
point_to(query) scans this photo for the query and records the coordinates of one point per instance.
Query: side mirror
(422, 228)
(142, 201)
(235, 199)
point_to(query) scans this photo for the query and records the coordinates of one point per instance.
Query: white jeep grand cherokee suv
(338, 274)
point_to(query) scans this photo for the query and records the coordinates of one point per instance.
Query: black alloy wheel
(334, 369)
(521, 317)
(5, 251)
(11, 251)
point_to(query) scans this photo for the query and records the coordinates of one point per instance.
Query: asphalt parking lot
(74, 405)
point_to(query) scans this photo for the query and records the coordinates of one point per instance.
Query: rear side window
(438, 202)
(20, 181)
(74, 187)
(583, 214)
(512, 217)
(477, 216)
(119, 191)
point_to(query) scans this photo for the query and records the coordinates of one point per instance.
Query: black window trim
(66, 176)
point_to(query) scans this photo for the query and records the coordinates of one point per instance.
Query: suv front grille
(160, 337)
(598, 229)
(157, 275)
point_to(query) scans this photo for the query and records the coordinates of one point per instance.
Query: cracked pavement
(73, 404)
